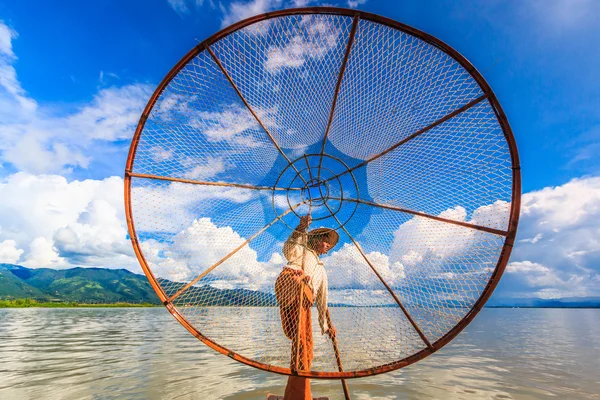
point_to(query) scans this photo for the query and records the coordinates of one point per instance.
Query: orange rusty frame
(214, 183)
(512, 224)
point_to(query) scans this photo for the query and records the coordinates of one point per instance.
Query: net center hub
(316, 184)
(315, 192)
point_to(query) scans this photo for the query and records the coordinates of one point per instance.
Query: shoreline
(29, 303)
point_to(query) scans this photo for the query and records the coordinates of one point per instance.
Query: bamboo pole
(338, 358)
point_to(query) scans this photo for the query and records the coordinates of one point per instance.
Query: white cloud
(181, 199)
(239, 10)
(234, 124)
(525, 267)
(31, 152)
(440, 262)
(544, 282)
(494, 215)
(58, 223)
(171, 105)
(204, 168)
(533, 239)
(418, 237)
(37, 139)
(47, 221)
(356, 3)
(160, 154)
(111, 115)
(14, 102)
(314, 39)
(557, 252)
(179, 6)
(196, 248)
(229, 128)
(277, 259)
(8, 252)
(43, 254)
(45, 143)
(563, 207)
(560, 253)
(175, 124)
(347, 269)
(102, 78)
(281, 201)
(6, 36)
(98, 236)
(184, 7)
(411, 257)
(563, 13)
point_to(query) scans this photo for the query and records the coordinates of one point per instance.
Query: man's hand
(305, 222)
(332, 332)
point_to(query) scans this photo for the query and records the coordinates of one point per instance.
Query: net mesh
(242, 143)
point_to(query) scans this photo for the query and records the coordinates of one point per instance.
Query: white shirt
(295, 250)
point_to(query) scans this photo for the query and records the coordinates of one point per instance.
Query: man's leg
(298, 388)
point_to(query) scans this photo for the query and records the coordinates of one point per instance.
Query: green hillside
(109, 286)
(12, 286)
(82, 285)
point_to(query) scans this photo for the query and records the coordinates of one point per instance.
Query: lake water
(143, 353)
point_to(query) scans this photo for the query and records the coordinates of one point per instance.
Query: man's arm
(294, 246)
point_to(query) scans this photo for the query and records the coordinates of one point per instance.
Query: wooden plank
(275, 397)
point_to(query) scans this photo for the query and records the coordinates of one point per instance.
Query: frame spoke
(194, 182)
(222, 260)
(337, 90)
(222, 68)
(422, 214)
(308, 168)
(417, 133)
(389, 289)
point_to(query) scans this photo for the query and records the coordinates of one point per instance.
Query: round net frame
(383, 133)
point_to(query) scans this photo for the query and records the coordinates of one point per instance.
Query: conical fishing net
(380, 133)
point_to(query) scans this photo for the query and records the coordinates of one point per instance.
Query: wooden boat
(275, 397)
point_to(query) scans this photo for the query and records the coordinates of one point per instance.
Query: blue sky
(537, 56)
(74, 78)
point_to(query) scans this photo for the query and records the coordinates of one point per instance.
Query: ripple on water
(145, 354)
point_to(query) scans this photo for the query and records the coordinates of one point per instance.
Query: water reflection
(146, 354)
(256, 333)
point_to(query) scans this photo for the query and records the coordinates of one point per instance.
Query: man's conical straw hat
(332, 235)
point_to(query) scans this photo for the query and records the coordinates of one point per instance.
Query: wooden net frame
(383, 133)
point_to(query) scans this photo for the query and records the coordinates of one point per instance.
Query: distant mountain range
(105, 286)
(82, 285)
(569, 302)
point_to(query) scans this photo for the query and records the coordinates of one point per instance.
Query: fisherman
(303, 282)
